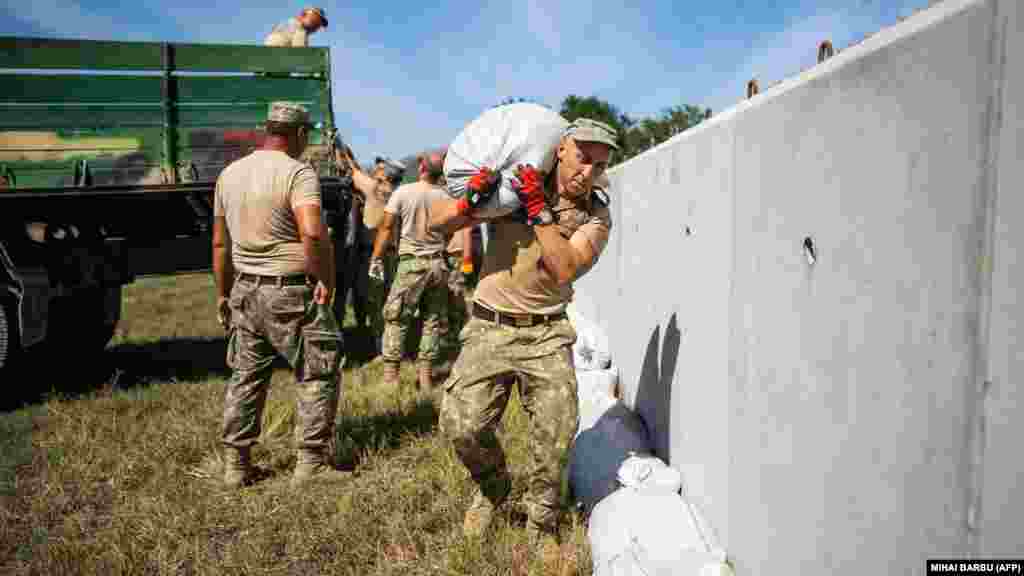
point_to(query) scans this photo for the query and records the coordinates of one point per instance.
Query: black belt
(433, 256)
(294, 280)
(516, 320)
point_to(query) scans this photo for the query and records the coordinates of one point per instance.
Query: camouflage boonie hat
(587, 130)
(288, 113)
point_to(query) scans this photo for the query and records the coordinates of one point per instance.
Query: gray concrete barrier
(812, 300)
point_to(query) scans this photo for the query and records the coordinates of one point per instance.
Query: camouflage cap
(392, 170)
(587, 130)
(288, 113)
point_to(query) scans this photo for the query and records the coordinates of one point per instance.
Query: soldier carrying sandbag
(518, 331)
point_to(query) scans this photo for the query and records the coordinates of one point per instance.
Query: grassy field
(124, 480)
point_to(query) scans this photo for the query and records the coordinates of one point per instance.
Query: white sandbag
(595, 395)
(591, 351)
(652, 532)
(502, 138)
(648, 472)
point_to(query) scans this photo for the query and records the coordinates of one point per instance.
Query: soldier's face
(579, 164)
(311, 21)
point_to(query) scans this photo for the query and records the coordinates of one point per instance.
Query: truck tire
(79, 322)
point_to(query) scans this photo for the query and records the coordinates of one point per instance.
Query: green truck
(109, 152)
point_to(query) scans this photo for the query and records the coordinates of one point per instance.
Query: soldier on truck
(295, 32)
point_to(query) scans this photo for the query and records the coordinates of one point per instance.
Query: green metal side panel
(67, 89)
(242, 58)
(46, 53)
(147, 127)
(230, 89)
(20, 53)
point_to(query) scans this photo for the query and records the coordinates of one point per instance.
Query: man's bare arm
(565, 260)
(316, 244)
(223, 269)
(384, 234)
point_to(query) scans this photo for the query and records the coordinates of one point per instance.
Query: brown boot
(237, 468)
(481, 511)
(426, 375)
(313, 464)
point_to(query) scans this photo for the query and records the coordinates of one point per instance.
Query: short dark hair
(284, 128)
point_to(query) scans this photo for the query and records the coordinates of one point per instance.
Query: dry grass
(124, 481)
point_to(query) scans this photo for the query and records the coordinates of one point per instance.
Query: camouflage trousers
(477, 393)
(455, 319)
(420, 284)
(267, 320)
(377, 294)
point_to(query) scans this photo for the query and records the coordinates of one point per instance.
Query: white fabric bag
(636, 531)
(502, 138)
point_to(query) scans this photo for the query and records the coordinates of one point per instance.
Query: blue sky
(408, 78)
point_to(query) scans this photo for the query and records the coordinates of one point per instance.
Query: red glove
(530, 186)
(479, 188)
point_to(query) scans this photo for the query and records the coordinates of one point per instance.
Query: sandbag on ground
(638, 531)
(502, 138)
(595, 395)
(599, 451)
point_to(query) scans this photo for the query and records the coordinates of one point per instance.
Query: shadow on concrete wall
(654, 391)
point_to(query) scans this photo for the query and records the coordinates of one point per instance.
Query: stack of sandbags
(648, 527)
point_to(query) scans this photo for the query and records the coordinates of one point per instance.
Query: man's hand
(223, 312)
(321, 293)
(479, 188)
(377, 269)
(529, 184)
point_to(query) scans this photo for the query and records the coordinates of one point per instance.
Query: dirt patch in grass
(126, 481)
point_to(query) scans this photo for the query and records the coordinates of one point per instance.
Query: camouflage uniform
(267, 320)
(529, 343)
(478, 390)
(455, 319)
(419, 283)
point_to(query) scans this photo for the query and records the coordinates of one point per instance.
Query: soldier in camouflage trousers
(420, 282)
(273, 266)
(519, 332)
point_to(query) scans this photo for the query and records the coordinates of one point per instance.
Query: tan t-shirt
(289, 33)
(411, 203)
(513, 278)
(257, 195)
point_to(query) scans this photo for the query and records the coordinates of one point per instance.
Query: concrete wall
(833, 417)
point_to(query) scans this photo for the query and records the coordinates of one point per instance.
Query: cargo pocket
(322, 346)
(392, 311)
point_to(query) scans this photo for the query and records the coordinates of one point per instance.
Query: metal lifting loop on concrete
(752, 88)
(825, 51)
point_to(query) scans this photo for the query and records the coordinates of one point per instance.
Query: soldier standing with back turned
(422, 274)
(273, 266)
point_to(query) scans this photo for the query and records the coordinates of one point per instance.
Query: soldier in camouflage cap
(273, 265)
(519, 332)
